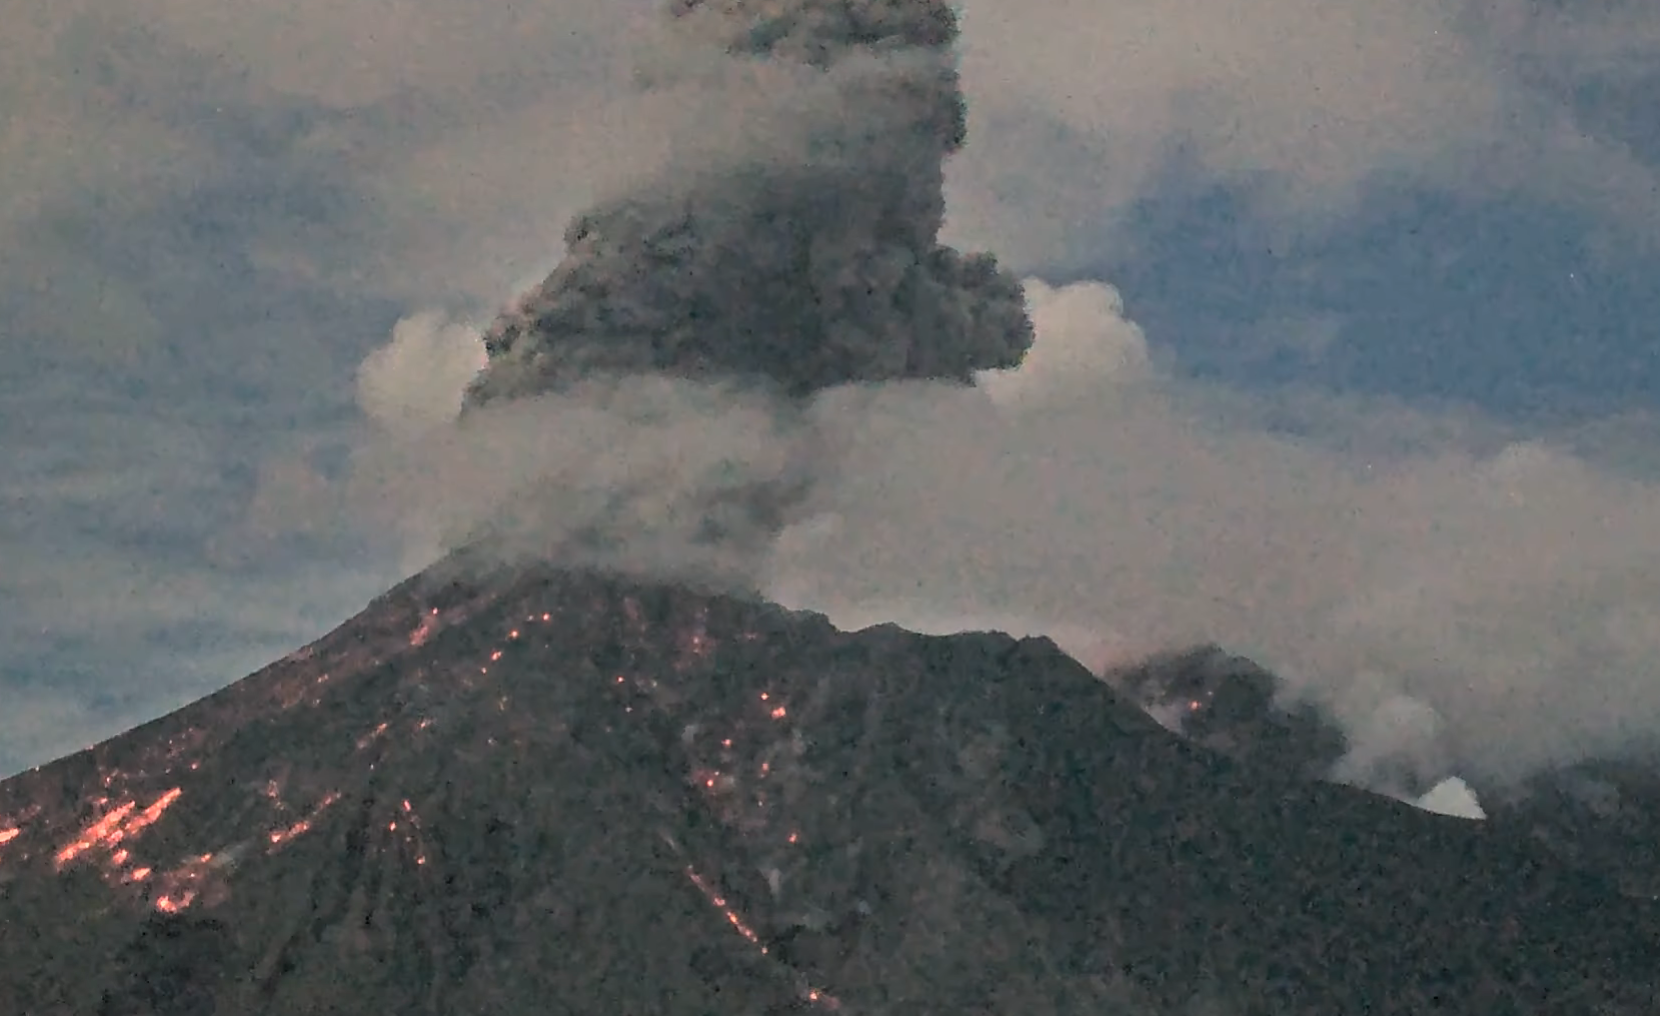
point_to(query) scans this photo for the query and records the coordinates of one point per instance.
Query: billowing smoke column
(805, 262)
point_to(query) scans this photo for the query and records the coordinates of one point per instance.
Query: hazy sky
(1370, 341)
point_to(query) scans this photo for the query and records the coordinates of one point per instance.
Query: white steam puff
(416, 381)
(1086, 341)
(1452, 796)
(1456, 609)
(644, 473)
(1453, 604)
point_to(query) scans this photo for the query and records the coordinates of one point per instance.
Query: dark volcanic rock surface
(1602, 817)
(562, 793)
(1231, 705)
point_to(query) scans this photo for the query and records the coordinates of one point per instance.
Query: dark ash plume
(805, 262)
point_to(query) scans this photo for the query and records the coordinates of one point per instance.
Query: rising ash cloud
(809, 262)
(762, 209)
(759, 363)
(646, 406)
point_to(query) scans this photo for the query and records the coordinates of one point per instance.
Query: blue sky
(209, 217)
(1515, 306)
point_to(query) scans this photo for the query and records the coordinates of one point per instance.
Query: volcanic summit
(560, 791)
(542, 787)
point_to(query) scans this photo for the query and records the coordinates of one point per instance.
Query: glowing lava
(424, 630)
(717, 900)
(279, 837)
(103, 832)
(148, 816)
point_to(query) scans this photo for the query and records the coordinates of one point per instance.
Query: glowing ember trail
(178, 889)
(823, 784)
(172, 904)
(811, 994)
(424, 630)
(278, 837)
(719, 901)
(371, 736)
(97, 834)
(148, 816)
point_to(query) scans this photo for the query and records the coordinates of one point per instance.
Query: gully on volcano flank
(567, 792)
(553, 774)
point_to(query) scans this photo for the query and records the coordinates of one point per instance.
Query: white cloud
(470, 135)
(1086, 341)
(1506, 593)
(349, 53)
(1455, 600)
(1302, 101)
(417, 380)
(1452, 796)
(646, 461)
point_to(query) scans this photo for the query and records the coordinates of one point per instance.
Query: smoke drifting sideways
(641, 474)
(760, 369)
(643, 407)
(1460, 599)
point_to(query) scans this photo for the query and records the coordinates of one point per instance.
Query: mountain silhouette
(510, 788)
(560, 791)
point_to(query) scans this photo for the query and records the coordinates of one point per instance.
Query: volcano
(568, 792)
(536, 785)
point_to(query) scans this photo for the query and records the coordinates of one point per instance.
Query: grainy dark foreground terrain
(557, 792)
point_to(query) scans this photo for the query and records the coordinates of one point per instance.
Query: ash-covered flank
(567, 793)
(809, 262)
(1231, 705)
(561, 792)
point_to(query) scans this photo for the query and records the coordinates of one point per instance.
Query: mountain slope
(561, 792)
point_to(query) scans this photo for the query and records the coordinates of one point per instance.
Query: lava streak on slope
(653, 800)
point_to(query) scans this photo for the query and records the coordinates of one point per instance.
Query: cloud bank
(1461, 600)
(1135, 510)
(467, 138)
(645, 474)
(1302, 103)
(1457, 602)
